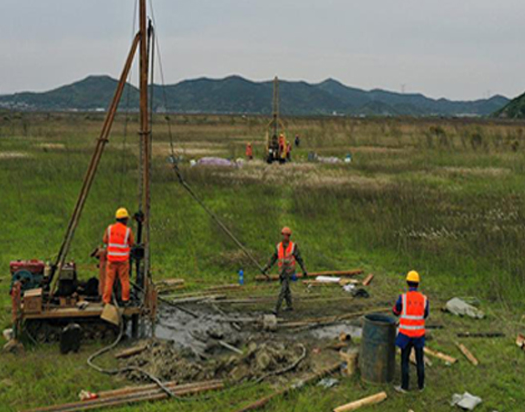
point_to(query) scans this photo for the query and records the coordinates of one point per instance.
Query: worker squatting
(412, 307)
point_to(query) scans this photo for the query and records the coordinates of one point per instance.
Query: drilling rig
(47, 298)
(277, 149)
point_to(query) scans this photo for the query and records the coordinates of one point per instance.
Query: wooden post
(440, 355)
(371, 400)
(341, 273)
(467, 354)
(368, 280)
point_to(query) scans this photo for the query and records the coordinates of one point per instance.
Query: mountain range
(237, 95)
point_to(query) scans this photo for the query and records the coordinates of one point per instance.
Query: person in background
(412, 308)
(286, 254)
(118, 239)
(249, 151)
(297, 140)
(289, 152)
(282, 147)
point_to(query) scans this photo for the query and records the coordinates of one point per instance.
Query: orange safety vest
(412, 319)
(118, 243)
(285, 256)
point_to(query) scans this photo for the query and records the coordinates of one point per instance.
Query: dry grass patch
(194, 149)
(14, 155)
(379, 149)
(310, 175)
(475, 171)
(51, 146)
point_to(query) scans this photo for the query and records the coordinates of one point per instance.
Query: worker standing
(286, 255)
(282, 147)
(249, 151)
(119, 239)
(297, 140)
(412, 308)
(289, 152)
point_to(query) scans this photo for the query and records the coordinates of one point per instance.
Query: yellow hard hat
(413, 276)
(122, 213)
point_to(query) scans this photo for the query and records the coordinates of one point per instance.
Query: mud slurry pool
(235, 346)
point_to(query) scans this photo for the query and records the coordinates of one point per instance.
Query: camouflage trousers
(285, 293)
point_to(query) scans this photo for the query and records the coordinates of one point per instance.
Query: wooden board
(342, 273)
(440, 355)
(468, 354)
(371, 400)
(92, 311)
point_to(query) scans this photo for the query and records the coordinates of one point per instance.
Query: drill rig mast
(48, 304)
(276, 145)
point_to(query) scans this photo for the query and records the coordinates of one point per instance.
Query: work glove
(294, 277)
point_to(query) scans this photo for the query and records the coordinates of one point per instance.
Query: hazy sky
(461, 49)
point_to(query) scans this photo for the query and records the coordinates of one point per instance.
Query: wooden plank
(201, 293)
(170, 282)
(305, 300)
(368, 279)
(128, 390)
(342, 282)
(133, 397)
(93, 310)
(233, 287)
(468, 354)
(371, 400)
(341, 273)
(440, 355)
(197, 299)
(163, 289)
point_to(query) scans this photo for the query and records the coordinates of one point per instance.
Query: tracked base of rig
(50, 331)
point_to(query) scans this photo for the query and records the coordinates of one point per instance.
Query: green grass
(443, 197)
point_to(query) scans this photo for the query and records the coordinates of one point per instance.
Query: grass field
(445, 197)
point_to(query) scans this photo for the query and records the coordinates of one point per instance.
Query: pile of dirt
(260, 360)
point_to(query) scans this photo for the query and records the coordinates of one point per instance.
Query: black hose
(100, 352)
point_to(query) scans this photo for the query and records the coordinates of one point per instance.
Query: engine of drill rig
(30, 274)
(35, 274)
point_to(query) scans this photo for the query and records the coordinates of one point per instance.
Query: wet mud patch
(236, 347)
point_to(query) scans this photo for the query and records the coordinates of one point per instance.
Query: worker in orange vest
(249, 151)
(282, 147)
(286, 254)
(118, 239)
(412, 308)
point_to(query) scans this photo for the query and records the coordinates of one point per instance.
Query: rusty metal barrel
(377, 355)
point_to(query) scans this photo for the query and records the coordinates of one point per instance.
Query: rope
(216, 219)
(178, 173)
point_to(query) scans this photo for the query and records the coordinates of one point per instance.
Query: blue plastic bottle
(241, 277)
